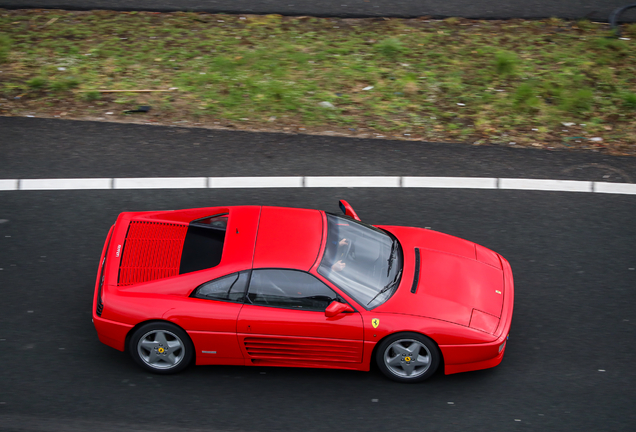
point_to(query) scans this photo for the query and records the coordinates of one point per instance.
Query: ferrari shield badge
(375, 322)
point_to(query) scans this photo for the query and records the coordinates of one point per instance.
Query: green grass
(5, 47)
(90, 96)
(456, 79)
(526, 96)
(630, 100)
(505, 63)
(390, 48)
(37, 83)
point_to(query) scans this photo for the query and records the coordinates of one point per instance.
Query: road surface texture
(491, 9)
(568, 364)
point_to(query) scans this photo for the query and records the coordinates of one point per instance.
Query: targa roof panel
(288, 238)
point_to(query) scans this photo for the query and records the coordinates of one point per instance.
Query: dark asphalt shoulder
(49, 148)
(596, 10)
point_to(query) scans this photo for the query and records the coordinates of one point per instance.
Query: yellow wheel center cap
(161, 350)
(407, 358)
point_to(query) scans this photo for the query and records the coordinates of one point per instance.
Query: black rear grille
(100, 307)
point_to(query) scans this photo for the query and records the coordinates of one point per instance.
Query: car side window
(227, 288)
(291, 289)
(218, 222)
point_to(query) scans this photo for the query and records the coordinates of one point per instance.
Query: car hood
(459, 281)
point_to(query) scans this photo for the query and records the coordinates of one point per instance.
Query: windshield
(363, 261)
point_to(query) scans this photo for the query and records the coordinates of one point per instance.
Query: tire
(161, 348)
(408, 357)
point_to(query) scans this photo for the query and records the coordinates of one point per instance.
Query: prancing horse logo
(375, 322)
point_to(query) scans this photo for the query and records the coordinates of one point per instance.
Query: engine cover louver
(152, 251)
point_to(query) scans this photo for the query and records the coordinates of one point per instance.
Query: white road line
(161, 183)
(255, 182)
(450, 182)
(545, 185)
(615, 188)
(8, 184)
(64, 184)
(362, 181)
(317, 181)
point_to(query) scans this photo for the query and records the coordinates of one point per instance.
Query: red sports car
(272, 286)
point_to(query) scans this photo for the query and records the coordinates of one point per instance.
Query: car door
(209, 315)
(283, 323)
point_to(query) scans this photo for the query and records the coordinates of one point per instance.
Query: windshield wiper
(388, 286)
(392, 256)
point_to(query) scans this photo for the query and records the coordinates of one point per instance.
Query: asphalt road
(48, 148)
(568, 364)
(571, 9)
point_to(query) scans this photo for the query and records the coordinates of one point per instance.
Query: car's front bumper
(469, 357)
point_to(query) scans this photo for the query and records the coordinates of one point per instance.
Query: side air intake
(307, 349)
(100, 307)
(416, 277)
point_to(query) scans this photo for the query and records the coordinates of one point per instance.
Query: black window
(227, 288)
(218, 221)
(289, 289)
(203, 244)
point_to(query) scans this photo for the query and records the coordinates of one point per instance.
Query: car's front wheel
(408, 357)
(161, 347)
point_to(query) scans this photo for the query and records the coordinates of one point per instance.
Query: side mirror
(336, 308)
(348, 210)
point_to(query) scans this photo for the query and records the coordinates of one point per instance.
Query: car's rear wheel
(161, 347)
(408, 357)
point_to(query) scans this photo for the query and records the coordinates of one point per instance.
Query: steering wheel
(273, 290)
(344, 255)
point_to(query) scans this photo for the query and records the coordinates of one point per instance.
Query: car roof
(258, 237)
(288, 238)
